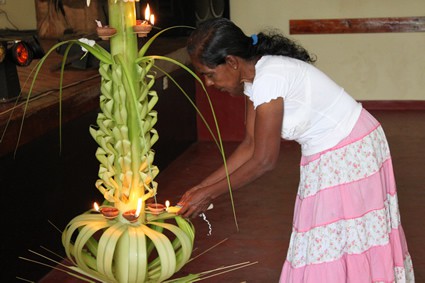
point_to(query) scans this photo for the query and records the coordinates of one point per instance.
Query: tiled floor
(264, 208)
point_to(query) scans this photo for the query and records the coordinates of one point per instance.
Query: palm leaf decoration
(150, 247)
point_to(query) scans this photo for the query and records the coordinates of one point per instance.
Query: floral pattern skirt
(346, 222)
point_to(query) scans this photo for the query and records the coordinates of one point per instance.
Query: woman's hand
(194, 202)
(257, 154)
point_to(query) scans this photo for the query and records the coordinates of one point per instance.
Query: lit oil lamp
(104, 32)
(133, 214)
(108, 212)
(143, 27)
(171, 209)
(175, 209)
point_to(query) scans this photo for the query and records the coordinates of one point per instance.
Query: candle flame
(147, 13)
(167, 204)
(149, 18)
(96, 206)
(139, 207)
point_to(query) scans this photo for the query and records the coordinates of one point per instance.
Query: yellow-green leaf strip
(106, 249)
(183, 241)
(165, 252)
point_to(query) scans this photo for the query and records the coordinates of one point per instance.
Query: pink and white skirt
(346, 221)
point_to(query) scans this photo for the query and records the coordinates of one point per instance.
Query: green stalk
(124, 49)
(122, 16)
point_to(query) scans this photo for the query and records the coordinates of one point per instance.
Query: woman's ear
(232, 61)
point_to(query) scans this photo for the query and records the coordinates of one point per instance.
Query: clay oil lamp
(143, 27)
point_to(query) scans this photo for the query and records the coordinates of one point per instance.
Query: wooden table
(80, 95)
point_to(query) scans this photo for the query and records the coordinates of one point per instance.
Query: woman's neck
(248, 70)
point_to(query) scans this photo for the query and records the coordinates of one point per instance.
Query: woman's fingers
(188, 211)
(193, 203)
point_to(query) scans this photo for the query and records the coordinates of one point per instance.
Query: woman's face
(223, 77)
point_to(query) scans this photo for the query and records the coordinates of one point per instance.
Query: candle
(171, 209)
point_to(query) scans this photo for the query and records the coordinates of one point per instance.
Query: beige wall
(379, 66)
(20, 12)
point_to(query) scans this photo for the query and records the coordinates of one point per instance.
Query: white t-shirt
(318, 113)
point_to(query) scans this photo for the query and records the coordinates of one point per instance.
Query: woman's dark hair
(217, 38)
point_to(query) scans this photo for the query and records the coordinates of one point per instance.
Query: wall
(20, 12)
(384, 66)
(379, 66)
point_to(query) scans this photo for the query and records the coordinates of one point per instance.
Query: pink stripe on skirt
(346, 224)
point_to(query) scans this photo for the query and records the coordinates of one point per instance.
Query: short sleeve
(266, 88)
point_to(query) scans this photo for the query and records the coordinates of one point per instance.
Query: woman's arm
(256, 155)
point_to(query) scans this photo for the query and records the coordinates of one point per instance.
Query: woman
(346, 225)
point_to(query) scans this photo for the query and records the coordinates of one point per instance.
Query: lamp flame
(149, 18)
(96, 206)
(167, 204)
(147, 13)
(139, 207)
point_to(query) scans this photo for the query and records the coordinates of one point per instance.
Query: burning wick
(139, 207)
(143, 27)
(148, 17)
(96, 207)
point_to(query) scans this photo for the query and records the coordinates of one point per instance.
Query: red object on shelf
(22, 54)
